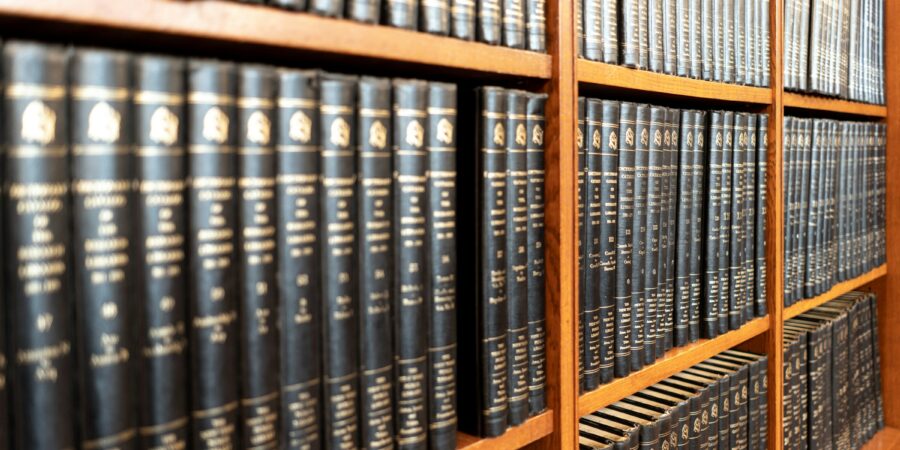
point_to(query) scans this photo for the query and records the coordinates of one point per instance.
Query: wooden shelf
(816, 103)
(260, 26)
(835, 292)
(886, 439)
(675, 361)
(533, 429)
(608, 75)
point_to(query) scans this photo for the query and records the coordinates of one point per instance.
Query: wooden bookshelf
(835, 105)
(886, 439)
(532, 430)
(674, 361)
(835, 292)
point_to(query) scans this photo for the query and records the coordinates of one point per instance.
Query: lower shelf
(836, 291)
(886, 439)
(533, 429)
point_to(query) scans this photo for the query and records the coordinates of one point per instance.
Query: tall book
(102, 208)
(629, 40)
(463, 19)
(639, 235)
(609, 195)
(712, 290)
(160, 260)
(340, 285)
(685, 225)
(297, 193)
(665, 338)
(441, 233)
(698, 222)
(490, 21)
(537, 331)
(401, 13)
(435, 17)
(591, 244)
(762, 163)
(735, 252)
(726, 282)
(653, 227)
(513, 23)
(624, 244)
(37, 214)
(212, 219)
(581, 325)
(536, 25)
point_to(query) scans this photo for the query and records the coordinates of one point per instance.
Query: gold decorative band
(45, 92)
(100, 93)
(155, 97)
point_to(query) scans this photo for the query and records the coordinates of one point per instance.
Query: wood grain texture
(886, 439)
(673, 362)
(608, 75)
(530, 431)
(835, 292)
(230, 21)
(817, 103)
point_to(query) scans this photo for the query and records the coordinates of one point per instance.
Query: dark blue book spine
(638, 232)
(537, 318)
(624, 223)
(762, 163)
(609, 195)
(653, 229)
(698, 222)
(725, 220)
(712, 289)
(592, 244)
(685, 225)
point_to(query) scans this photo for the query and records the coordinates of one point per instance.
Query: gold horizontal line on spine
(442, 173)
(209, 98)
(297, 148)
(158, 151)
(256, 151)
(442, 111)
(155, 97)
(301, 385)
(335, 109)
(409, 112)
(199, 149)
(99, 150)
(109, 440)
(336, 153)
(441, 149)
(411, 152)
(534, 117)
(255, 102)
(204, 413)
(411, 440)
(371, 154)
(494, 338)
(516, 116)
(260, 399)
(155, 429)
(493, 150)
(442, 423)
(434, 4)
(288, 102)
(493, 115)
(341, 378)
(370, 112)
(37, 151)
(44, 92)
(443, 347)
(100, 93)
(494, 409)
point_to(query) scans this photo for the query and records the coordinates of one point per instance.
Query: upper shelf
(836, 291)
(816, 103)
(267, 27)
(612, 76)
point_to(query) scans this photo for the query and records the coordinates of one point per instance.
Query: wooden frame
(288, 36)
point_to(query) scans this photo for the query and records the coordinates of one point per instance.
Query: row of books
(502, 377)
(726, 41)
(719, 404)
(671, 228)
(834, 202)
(201, 254)
(512, 23)
(835, 48)
(832, 375)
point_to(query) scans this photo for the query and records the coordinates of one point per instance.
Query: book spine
(696, 38)
(579, 28)
(537, 317)
(327, 8)
(624, 241)
(366, 11)
(609, 195)
(490, 19)
(639, 236)
(655, 35)
(653, 231)
(441, 232)
(684, 239)
(682, 38)
(765, 68)
(697, 223)
(536, 25)
(670, 34)
(735, 306)
(751, 32)
(718, 41)
(212, 219)
(376, 261)
(297, 194)
(712, 224)
(592, 244)
(592, 27)
(160, 170)
(582, 243)
(643, 9)
(513, 23)
(726, 282)
(516, 256)
(762, 164)
(672, 121)
(340, 321)
(294, 5)
(401, 13)
(724, 412)
(435, 17)
(740, 60)
(630, 40)
(707, 67)
(463, 19)
(37, 214)
(749, 228)
(102, 205)
(728, 75)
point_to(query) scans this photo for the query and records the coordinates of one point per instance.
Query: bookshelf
(220, 28)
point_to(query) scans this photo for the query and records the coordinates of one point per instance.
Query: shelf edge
(531, 430)
(816, 103)
(836, 291)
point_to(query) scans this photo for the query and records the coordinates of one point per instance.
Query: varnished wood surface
(835, 292)
(532, 430)
(818, 103)
(886, 439)
(229, 21)
(608, 75)
(675, 361)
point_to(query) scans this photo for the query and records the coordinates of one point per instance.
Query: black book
(653, 229)
(441, 232)
(593, 437)
(516, 256)
(624, 241)
(805, 151)
(737, 23)
(713, 214)
(410, 313)
(300, 305)
(579, 28)
(762, 163)
(698, 164)
(610, 27)
(490, 19)
(593, 22)
(718, 40)
(655, 45)
(462, 19)
(682, 38)
(536, 25)
(735, 261)
(401, 13)
(718, 386)
(593, 212)
(629, 432)
(435, 17)
(327, 8)
(639, 236)
(36, 173)
(295, 5)
(582, 243)
(212, 218)
(699, 433)
(765, 43)
(513, 23)
(728, 60)
(643, 24)
(721, 411)
(340, 286)
(680, 415)
(670, 36)
(160, 262)
(376, 261)
(685, 224)
(688, 436)
(609, 194)
(707, 67)
(366, 11)
(629, 40)
(658, 414)
(726, 282)
(667, 237)
(101, 216)
(537, 331)
(749, 223)
(787, 186)
(256, 243)
(648, 430)
(695, 39)
(813, 226)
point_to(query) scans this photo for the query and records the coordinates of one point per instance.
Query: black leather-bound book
(712, 292)
(718, 41)
(679, 410)
(376, 261)
(788, 162)
(536, 25)
(256, 242)
(726, 282)
(624, 241)
(366, 11)
(805, 150)
(655, 173)
(212, 219)
(340, 284)
(593, 22)
(590, 314)
(727, 18)
(401, 13)
(582, 243)
(328, 8)
(765, 42)
(36, 173)
(814, 212)
(655, 44)
(490, 21)
(670, 34)
(671, 196)
(160, 262)
(295, 5)
(700, 408)
(706, 39)
(762, 163)
(537, 317)
(639, 236)
(629, 40)
(751, 32)
(463, 19)
(610, 34)
(609, 195)
(717, 387)
(697, 222)
(102, 208)
(516, 248)
(685, 226)
(663, 306)
(579, 28)
(683, 38)
(722, 412)
(643, 24)
(435, 17)
(695, 39)
(647, 428)
(735, 252)
(441, 232)
(739, 49)
(513, 23)
(297, 193)
(627, 433)
(749, 224)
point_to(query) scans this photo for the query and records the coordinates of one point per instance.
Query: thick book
(374, 180)
(410, 313)
(749, 228)
(655, 173)
(685, 225)
(366, 11)
(695, 39)
(712, 292)
(624, 242)
(670, 33)
(435, 17)
(697, 223)
(37, 215)
(102, 210)
(610, 27)
(740, 43)
(665, 279)
(682, 38)
(655, 46)
(629, 39)
(490, 21)
(401, 13)
(591, 243)
(609, 195)
(537, 263)
(536, 25)
(160, 260)
(581, 161)
(639, 236)
(300, 305)
(212, 221)
(736, 251)
(707, 59)
(726, 282)
(441, 232)
(592, 27)
(728, 61)
(516, 256)
(513, 23)
(463, 19)
(643, 24)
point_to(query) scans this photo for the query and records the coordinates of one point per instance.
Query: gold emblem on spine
(595, 139)
(719, 138)
(445, 131)
(300, 127)
(521, 135)
(657, 138)
(613, 141)
(104, 123)
(742, 139)
(728, 139)
(163, 126)
(500, 134)
(579, 138)
(690, 139)
(753, 140)
(340, 132)
(668, 138)
(377, 135)
(644, 137)
(674, 138)
(629, 136)
(38, 123)
(665, 445)
(259, 128)
(415, 134)
(215, 125)
(537, 135)
(700, 139)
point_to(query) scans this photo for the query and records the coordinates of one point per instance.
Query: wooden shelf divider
(835, 292)
(675, 361)
(886, 439)
(532, 430)
(817, 103)
(608, 75)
